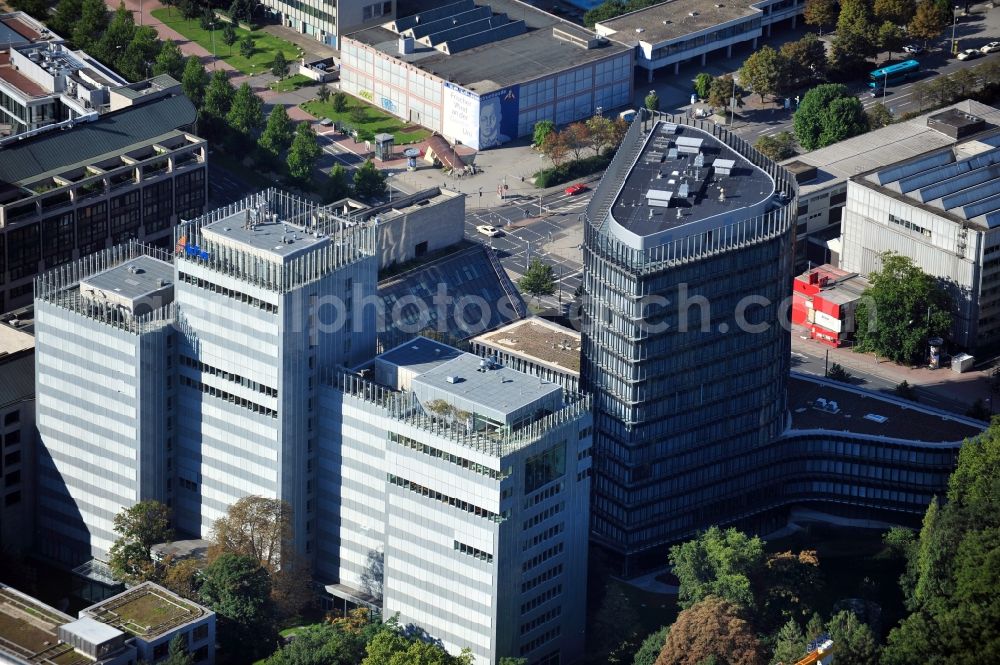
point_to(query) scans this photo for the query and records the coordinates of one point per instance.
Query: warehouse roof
(901, 140)
(548, 45)
(111, 133)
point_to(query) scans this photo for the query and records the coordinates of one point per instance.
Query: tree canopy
(277, 136)
(820, 13)
(139, 527)
(369, 181)
(304, 152)
(194, 80)
(927, 22)
(826, 114)
(711, 628)
(246, 112)
(777, 146)
(901, 309)
(538, 279)
(764, 71)
(718, 563)
(238, 589)
(805, 60)
(542, 129)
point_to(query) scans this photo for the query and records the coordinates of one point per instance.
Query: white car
(990, 48)
(969, 54)
(488, 230)
(913, 48)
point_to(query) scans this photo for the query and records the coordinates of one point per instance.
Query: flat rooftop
(675, 19)
(28, 631)
(499, 389)
(275, 240)
(420, 354)
(146, 611)
(501, 63)
(892, 418)
(540, 341)
(685, 175)
(881, 147)
(13, 340)
(19, 28)
(131, 281)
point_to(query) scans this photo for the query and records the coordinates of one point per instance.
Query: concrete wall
(439, 224)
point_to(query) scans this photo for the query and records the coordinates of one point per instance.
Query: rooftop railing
(404, 407)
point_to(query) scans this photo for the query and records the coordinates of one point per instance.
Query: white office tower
(258, 287)
(102, 327)
(454, 492)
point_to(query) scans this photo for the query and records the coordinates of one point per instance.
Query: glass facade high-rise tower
(687, 264)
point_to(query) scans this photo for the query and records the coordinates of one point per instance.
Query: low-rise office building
(137, 625)
(824, 300)
(64, 194)
(536, 346)
(940, 208)
(327, 20)
(483, 75)
(671, 33)
(822, 174)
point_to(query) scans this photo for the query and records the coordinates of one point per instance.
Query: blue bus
(893, 74)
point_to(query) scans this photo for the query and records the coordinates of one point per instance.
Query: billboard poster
(461, 115)
(498, 117)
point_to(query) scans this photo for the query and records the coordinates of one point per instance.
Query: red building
(824, 300)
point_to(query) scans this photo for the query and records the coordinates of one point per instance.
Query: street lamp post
(885, 85)
(954, 24)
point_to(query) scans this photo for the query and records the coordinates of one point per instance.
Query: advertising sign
(498, 117)
(461, 115)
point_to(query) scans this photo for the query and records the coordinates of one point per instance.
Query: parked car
(992, 47)
(969, 54)
(915, 49)
(325, 122)
(578, 188)
(488, 230)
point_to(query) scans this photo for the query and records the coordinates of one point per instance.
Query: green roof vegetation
(146, 612)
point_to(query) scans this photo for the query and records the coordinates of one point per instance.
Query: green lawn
(291, 83)
(376, 120)
(265, 48)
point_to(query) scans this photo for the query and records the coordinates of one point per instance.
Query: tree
(229, 36)
(369, 181)
(844, 118)
(855, 642)
(602, 133)
(339, 102)
(194, 81)
(819, 120)
(890, 37)
(820, 13)
(878, 116)
(538, 279)
(323, 94)
(206, 21)
(111, 44)
(856, 39)
(139, 527)
(965, 80)
(702, 83)
(805, 60)
(341, 642)
(901, 309)
(65, 16)
(764, 72)
(90, 24)
(247, 46)
(921, 92)
(37, 8)
(178, 653)
(219, 95)
(652, 101)
(722, 92)
(898, 12)
(181, 577)
(170, 61)
(787, 587)
(577, 138)
(543, 128)
(278, 134)
(790, 644)
(246, 114)
(651, 647)
(712, 627)
(778, 146)
(927, 22)
(279, 66)
(554, 147)
(390, 647)
(359, 114)
(615, 619)
(717, 563)
(338, 184)
(238, 589)
(943, 89)
(838, 373)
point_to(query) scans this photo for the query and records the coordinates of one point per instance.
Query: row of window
(909, 225)
(544, 596)
(448, 457)
(229, 397)
(541, 578)
(543, 536)
(545, 637)
(542, 557)
(542, 496)
(529, 626)
(229, 293)
(474, 552)
(542, 516)
(229, 376)
(444, 498)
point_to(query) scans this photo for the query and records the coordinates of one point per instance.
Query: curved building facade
(687, 265)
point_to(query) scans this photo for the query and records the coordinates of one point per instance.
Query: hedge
(577, 168)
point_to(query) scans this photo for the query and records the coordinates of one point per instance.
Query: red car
(578, 188)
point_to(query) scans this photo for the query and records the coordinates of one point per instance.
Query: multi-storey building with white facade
(941, 209)
(483, 75)
(454, 491)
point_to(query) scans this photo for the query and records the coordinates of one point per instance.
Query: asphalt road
(898, 99)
